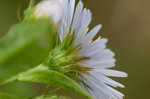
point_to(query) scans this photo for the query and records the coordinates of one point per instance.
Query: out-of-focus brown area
(126, 23)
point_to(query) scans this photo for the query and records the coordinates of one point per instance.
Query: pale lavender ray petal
(99, 64)
(95, 91)
(77, 14)
(98, 44)
(70, 11)
(65, 16)
(72, 7)
(106, 53)
(92, 34)
(110, 91)
(112, 73)
(106, 80)
(99, 86)
(98, 94)
(85, 21)
(63, 23)
(116, 93)
(61, 32)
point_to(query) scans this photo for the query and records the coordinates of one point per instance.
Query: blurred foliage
(23, 48)
(126, 24)
(19, 89)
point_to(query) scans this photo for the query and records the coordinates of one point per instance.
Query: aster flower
(95, 56)
(78, 54)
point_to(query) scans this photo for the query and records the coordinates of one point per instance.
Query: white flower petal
(72, 6)
(98, 94)
(85, 21)
(65, 16)
(103, 88)
(70, 11)
(98, 44)
(111, 91)
(63, 22)
(106, 80)
(96, 55)
(99, 64)
(112, 73)
(92, 34)
(61, 32)
(77, 15)
(116, 93)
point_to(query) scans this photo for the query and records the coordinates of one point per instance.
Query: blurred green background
(126, 23)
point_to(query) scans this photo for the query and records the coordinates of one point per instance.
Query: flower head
(49, 8)
(78, 54)
(92, 60)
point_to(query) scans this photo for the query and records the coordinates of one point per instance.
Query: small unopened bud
(49, 8)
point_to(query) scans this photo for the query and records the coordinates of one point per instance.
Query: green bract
(43, 75)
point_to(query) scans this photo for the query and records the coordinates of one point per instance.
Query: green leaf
(7, 96)
(43, 75)
(26, 45)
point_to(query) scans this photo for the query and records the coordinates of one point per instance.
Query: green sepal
(53, 78)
